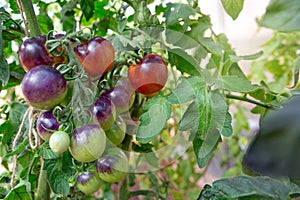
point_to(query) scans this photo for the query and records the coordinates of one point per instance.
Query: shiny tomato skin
(32, 52)
(44, 87)
(87, 143)
(149, 75)
(46, 120)
(96, 56)
(88, 182)
(122, 95)
(59, 142)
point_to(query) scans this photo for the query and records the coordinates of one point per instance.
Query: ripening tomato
(59, 142)
(149, 75)
(33, 52)
(88, 182)
(46, 122)
(44, 87)
(96, 56)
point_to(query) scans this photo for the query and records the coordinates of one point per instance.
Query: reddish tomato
(96, 56)
(32, 53)
(149, 75)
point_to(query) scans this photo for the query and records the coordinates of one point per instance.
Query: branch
(242, 98)
(31, 19)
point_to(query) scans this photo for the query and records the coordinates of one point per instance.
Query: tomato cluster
(46, 87)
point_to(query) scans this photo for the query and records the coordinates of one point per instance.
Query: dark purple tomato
(104, 111)
(117, 131)
(32, 53)
(96, 56)
(44, 87)
(46, 121)
(150, 75)
(122, 95)
(113, 166)
(88, 182)
(88, 143)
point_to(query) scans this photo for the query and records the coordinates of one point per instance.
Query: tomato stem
(31, 19)
(243, 98)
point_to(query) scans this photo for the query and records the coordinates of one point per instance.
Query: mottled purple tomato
(149, 75)
(88, 182)
(46, 122)
(117, 131)
(88, 143)
(44, 87)
(59, 142)
(122, 95)
(96, 56)
(113, 166)
(32, 53)
(104, 111)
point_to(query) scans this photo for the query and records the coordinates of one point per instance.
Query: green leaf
(185, 90)
(143, 16)
(183, 61)
(4, 69)
(233, 7)
(235, 58)
(237, 84)
(153, 121)
(227, 128)
(210, 45)
(20, 148)
(7, 129)
(47, 153)
(20, 192)
(58, 173)
(16, 113)
(178, 11)
(87, 7)
(296, 72)
(247, 187)
(282, 15)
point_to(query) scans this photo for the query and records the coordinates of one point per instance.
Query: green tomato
(116, 133)
(113, 166)
(59, 142)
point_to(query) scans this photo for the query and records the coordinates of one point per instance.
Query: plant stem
(242, 98)
(43, 190)
(31, 19)
(144, 193)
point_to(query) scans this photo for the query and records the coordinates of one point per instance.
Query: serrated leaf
(87, 7)
(282, 15)
(233, 7)
(153, 121)
(20, 192)
(235, 58)
(185, 90)
(183, 61)
(58, 173)
(143, 16)
(247, 187)
(237, 84)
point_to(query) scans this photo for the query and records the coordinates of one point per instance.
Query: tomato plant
(149, 75)
(125, 99)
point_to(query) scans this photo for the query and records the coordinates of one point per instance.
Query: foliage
(205, 81)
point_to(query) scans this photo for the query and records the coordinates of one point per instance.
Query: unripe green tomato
(117, 131)
(88, 182)
(113, 166)
(59, 142)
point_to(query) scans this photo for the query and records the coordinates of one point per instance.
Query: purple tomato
(46, 122)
